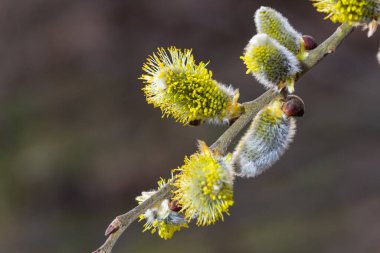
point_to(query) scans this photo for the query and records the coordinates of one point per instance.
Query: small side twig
(121, 222)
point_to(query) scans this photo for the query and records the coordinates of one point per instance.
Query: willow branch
(121, 222)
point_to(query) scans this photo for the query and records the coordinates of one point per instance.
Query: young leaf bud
(160, 218)
(185, 90)
(293, 106)
(265, 141)
(364, 13)
(272, 64)
(309, 42)
(204, 186)
(276, 26)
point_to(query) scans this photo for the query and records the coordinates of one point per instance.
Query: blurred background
(78, 141)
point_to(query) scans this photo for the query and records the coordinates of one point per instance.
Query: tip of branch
(112, 228)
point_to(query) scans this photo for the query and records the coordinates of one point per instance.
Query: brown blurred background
(78, 141)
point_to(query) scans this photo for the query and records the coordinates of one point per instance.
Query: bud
(293, 106)
(204, 186)
(309, 42)
(173, 205)
(160, 218)
(113, 227)
(265, 141)
(185, 90)
(272, 64)
(364, 13)
(276, 26)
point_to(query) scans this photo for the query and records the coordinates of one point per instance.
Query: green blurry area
(78, 141)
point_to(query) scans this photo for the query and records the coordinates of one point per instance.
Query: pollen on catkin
(276, 26)
(265, 141)
(204, 186)
(185, 90)
(160, 218)
(272, 64)
(364, 13)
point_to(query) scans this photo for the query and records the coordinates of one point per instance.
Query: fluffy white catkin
(266, 140)
(276, 26)
(272, 64)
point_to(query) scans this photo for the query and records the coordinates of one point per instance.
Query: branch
(121, 222)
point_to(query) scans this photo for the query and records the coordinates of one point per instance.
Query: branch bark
(121, 222)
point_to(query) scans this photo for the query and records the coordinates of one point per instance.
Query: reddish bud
(309, 42)
(173, 205)
(293, 106)
(113, 227)
(231, 121)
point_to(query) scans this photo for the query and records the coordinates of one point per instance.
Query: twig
(121, 222)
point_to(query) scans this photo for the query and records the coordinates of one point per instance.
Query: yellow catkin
(160, 218)
(355, 12)
(185, 90)
(204, 187)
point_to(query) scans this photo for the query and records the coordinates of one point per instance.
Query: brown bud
(309, 42)
(173, 205)
(113, 227)
(195, 122)
(231, 121)
(293, 106)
